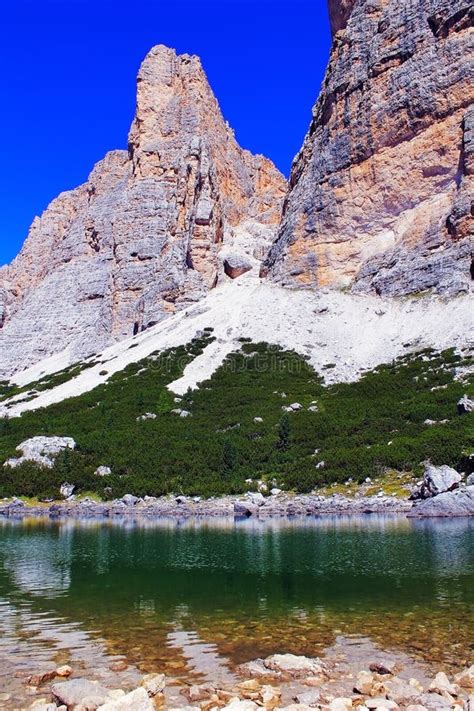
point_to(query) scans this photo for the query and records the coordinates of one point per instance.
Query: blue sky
(67, 83)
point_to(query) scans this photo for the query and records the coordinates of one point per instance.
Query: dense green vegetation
(358, 430)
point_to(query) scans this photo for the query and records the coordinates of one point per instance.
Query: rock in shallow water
(137, 700)
(72, 693)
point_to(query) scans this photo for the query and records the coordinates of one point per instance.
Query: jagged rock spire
(142, 237)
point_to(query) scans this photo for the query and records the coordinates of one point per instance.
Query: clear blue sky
(67, 83)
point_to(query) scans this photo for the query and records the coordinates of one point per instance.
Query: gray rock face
(437, 480)
(141, 238)
(451, 503)
(381, 192)
(41, 450)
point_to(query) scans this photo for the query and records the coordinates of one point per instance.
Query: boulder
(400, 691)
(437, 480)
(41, 450)
(196, 693)
(295, 665)
(74, 692)
(244, 508)
(256, 497)
(130, 500)
(66, 490)
(441, 685)
(137, 700)
(103, 471)
(470, 480)
(452, 503)
(181, 413)
(271, 696)
(465, 405)
(364, 683)
(147, 416)
(236, 264)
(465, 678)
(153, 683)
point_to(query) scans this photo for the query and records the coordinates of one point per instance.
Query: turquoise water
(159, 594)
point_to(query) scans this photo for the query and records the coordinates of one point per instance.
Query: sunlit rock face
(381, 192)
(141, 238)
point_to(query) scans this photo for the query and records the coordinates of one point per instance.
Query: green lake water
(176, 596)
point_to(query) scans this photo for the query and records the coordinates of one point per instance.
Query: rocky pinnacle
(142, 237)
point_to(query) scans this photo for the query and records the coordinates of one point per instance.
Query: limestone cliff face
(381, 193)
(142, 237)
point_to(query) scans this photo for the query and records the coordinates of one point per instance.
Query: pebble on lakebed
(281, 681)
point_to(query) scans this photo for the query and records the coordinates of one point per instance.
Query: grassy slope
(220, 446)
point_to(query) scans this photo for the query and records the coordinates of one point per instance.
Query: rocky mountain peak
(381, 192)
(148, 232)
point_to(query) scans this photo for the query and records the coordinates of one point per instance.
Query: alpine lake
(196, 598)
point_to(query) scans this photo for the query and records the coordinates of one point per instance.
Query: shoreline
(281, 506)
(252, 505)
(351, 674)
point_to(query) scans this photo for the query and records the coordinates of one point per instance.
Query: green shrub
(360, 428)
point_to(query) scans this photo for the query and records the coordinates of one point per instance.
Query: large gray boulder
(451, 503)
(437, 480)
(41, 450)
(77, 691)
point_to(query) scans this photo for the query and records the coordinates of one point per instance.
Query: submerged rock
(75, 692)
(289, 664)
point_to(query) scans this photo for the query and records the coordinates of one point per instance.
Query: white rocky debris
(261, 311)
(41, 450)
